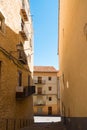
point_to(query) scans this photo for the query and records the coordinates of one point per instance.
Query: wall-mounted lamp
(19, 46)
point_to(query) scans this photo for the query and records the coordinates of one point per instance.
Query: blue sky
(45, 23)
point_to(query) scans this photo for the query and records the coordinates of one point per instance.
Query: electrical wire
(15, 61)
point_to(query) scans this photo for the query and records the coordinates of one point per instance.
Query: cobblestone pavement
(46, 126)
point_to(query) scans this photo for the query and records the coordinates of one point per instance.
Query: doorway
(49, 110)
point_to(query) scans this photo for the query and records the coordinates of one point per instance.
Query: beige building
(46, 98)
(16, 62)
(73, 62)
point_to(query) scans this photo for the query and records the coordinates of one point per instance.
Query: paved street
(46, 126)
(45, 119)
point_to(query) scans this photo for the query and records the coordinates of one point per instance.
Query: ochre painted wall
(10, 107)
(73, 57)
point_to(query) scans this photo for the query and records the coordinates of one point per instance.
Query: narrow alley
(46, 126)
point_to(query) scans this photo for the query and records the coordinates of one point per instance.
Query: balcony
(42, 103)
(21, 54)
(24, 32)
(22, 57)
(39, 81)
(23, 92)
(42, 93)
(19, 89)
(24, 11)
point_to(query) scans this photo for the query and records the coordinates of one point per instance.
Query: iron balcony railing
(25, 10)
(42, 103)
(22, 57)
(39, 81)
(25, 92)
(24, 32)
(41, 93)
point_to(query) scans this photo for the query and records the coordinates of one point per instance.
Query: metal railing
(25, 6)
(43, 103)
(24, 31)
(22, 57)
(39, 81)
(27, 91)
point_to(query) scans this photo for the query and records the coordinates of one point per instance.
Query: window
(22, 25)
(49, 110)
(39, 90)
(39, 79)
(50, 88)
(30, 44)
(39, 110)
(0, 71)
(28, 80)
(21, 53)
(50, 98)
(19, 78)
(2, 22)
(49, 78)
(19, 46)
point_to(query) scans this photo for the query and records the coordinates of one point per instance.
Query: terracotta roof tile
(44, 69)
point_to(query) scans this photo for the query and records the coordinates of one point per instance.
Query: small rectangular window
(50, 88)
(2, 22)
(0, 70)
(28, 80)
(19, 78)
(22, 25)
(50, 98)
(39, 79)
(39, 90)
(49, 78)
(49, 110)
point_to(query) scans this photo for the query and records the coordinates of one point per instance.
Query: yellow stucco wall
(10, 107)
(73, 56)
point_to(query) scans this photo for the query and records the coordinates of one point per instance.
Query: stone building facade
(46, 99)
(73, 62)
(16, 60)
